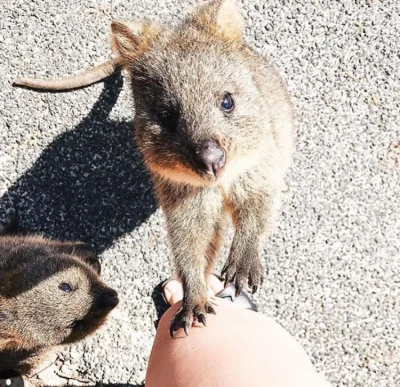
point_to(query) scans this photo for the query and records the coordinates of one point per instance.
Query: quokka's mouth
(211, 177)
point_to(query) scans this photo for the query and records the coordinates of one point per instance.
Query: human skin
(239, 347)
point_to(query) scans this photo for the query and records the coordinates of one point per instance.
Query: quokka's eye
(168, 118)
(66, 288)
(227, 103)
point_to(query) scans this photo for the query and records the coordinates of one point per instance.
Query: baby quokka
(50, 294)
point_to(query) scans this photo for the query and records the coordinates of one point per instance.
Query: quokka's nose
(210, 158)
(108, 299)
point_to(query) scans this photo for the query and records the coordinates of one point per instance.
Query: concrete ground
(69, 165)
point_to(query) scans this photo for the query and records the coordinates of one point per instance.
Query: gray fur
(185, 72)
(35, 314)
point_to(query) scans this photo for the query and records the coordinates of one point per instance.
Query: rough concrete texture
(68, 164)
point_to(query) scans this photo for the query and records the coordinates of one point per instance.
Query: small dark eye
(65, 288)
(168, 118)
(164, 115)
(227, 103)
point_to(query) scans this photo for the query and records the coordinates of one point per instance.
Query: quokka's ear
(84, 251)
(130, 39)
(220, 17)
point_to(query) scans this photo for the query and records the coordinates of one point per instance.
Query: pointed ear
(84, 251)
(221, 17)
(130, 39)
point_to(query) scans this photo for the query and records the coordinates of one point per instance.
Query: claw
(202, 319)
(174, 327)
(226, 282)
(223, 271)
(186, 328)
(255, 288)
(211, 310)
(238, 290)
(225, 275)
(229, 280)
(183, 319)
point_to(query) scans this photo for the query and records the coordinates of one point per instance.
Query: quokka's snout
(106, 300)
(209, 157)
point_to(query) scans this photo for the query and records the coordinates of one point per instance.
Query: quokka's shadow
(89, 184)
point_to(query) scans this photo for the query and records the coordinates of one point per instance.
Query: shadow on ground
(89, 184)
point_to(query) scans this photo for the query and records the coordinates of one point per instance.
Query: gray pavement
(68, 163)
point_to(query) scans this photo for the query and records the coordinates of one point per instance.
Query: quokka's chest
(250, 188)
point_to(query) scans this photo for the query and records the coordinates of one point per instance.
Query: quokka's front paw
(185, 316)
(242, 272)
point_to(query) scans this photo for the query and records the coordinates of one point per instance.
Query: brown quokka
(215, 126)
(50, 294)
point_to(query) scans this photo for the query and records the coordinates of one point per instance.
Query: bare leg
(238, 348)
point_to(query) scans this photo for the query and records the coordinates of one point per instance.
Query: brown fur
(184, 72)
(35, 314)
